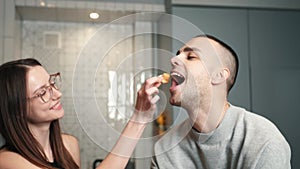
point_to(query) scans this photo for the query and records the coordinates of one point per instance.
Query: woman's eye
(42, 92)
(52, 82)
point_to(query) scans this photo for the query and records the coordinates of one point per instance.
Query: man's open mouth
(177, 78)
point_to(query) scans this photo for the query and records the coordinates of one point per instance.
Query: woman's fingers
(147, 98)
(155, 99)
(152, 91)
(153, 82)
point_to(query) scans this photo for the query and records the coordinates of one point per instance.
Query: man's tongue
(177, 78)
(173, 84)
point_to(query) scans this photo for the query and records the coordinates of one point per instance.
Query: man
(217, 134)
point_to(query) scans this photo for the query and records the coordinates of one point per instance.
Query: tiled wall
(26, 39)
(7, 30)
(64, 58)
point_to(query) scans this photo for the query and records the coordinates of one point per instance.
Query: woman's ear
(220, 76)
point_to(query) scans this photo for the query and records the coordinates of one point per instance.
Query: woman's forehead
(37, 76)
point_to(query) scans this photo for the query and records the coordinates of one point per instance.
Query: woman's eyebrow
(39, 88)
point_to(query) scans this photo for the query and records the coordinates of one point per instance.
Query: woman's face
(37, 86)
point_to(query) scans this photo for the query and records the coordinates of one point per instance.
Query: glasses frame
(49, 88)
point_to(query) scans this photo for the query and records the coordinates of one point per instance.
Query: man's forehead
(199, 40)
(199, 43)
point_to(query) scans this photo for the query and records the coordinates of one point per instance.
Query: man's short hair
(232, 63)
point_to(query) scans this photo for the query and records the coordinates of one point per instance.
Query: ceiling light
(94, 15)
(42, 3)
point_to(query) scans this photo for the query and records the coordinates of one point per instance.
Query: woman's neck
(41, 133)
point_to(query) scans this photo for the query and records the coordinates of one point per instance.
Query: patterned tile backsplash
(114, 76)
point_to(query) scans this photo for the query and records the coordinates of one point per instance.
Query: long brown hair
(13, 123)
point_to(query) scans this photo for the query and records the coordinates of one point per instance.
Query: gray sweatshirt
(243, 140)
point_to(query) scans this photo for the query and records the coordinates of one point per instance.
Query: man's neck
(208, 120)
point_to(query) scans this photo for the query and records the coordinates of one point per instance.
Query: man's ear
(220, 76)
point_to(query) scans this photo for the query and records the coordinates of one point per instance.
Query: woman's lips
(57, 106)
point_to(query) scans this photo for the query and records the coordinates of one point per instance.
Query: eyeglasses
(46, 92)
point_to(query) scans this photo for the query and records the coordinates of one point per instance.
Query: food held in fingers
(166, 77)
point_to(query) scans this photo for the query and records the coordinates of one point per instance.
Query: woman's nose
(56, 94)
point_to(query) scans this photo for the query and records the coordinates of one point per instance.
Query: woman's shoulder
(9, 159)
(72, 145)
(69, 140)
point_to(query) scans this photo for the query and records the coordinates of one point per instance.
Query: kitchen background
(265, 34)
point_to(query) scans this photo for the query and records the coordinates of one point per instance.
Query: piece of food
(166, 77)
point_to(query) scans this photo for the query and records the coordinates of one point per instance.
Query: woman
(30, 110)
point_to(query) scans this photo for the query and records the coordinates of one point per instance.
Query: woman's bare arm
(144, 109)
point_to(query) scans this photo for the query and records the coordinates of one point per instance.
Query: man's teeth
(178, 78)
(176, 74)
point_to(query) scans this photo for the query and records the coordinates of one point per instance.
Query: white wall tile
(30, 2)
(2, 14)
(81, 4)
(20, 2)
(128, 6)
(147, 7)
(17, 38)
(158, 8)
(91, 5)
(109, 6)
(69, 4)
(62, 4)
(8, 49)
(9, 18)
(138, 7)
(1, 49)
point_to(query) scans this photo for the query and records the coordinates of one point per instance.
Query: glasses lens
(55, 81)
(47, 95)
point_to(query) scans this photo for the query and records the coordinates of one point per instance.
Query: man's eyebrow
(188, 49)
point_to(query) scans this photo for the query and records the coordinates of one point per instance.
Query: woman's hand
(146, 100)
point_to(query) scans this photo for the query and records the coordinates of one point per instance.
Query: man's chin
(174, 102)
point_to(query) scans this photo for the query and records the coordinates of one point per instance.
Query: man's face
(191, 83)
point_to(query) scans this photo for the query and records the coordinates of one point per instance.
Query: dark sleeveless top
(55, 164)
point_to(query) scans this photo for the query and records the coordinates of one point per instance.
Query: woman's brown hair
(13, 123)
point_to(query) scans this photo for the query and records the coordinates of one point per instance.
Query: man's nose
(175, 61)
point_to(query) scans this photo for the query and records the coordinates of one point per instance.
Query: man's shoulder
(259, 124)
(259, 130)
(254, 121)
